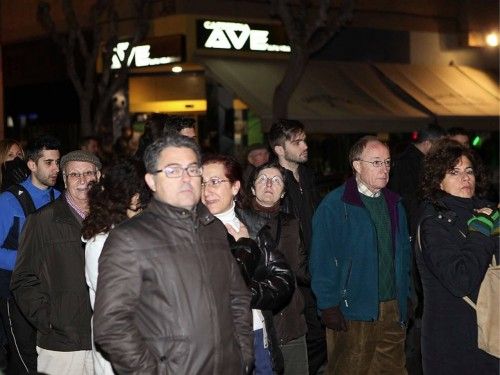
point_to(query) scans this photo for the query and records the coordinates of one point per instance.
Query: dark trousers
(315, 338)
(21, 339)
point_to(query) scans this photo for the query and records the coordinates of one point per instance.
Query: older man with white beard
(48, 281)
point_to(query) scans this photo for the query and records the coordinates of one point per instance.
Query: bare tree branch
(309, 26)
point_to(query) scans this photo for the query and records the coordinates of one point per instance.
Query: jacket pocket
(171, 352)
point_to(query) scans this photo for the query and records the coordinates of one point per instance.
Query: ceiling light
(177, 69)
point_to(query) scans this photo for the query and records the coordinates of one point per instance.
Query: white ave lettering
(233, 35)
(140, 55)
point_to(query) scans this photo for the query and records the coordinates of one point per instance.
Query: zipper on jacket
(344, 291)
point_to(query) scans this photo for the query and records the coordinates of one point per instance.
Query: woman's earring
(283, 195)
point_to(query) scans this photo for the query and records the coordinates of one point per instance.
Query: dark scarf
(268, 210)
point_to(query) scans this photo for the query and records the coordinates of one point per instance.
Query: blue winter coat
(344, 257)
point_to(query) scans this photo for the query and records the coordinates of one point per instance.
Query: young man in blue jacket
(38, 190)
(360, 267)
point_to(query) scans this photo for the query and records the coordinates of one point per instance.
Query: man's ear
(279, 150)
(31, 165)
(150, 180)
(356, 164)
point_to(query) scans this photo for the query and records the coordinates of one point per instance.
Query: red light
(414, 136)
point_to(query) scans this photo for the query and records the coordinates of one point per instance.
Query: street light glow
(492, 39)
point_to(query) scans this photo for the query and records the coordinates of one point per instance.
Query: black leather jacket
(272, 282)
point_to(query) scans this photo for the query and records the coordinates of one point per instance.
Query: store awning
(332, 97)
(456, 95)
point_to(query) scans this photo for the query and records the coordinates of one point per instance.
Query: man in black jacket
(48, 281)
(287, 139)
(404, 179)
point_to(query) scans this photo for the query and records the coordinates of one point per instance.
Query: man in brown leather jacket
(170, 297)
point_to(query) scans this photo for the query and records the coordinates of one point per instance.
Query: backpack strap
(23, 197)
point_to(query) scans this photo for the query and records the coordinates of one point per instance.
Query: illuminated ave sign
(139, 57)
(236, 36)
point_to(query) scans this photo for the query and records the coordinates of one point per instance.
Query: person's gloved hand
(334, 319)
(14, 172)
(247, 254)
(495, 232)
(484, 222)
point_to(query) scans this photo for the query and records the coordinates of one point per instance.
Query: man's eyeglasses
(79, 175)
(275, 180)
(214, 182)
(176, 171)
(378, 163)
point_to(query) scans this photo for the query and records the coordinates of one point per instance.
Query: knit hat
(80, 155)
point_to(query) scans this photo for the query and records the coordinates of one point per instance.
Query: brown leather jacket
(170, 297)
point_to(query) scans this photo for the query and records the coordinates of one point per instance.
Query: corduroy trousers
(369, 347)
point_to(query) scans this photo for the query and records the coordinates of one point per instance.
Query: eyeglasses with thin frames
(79, 175)
(176, 171)
(213, 182)
(275, 180)
(378, 163)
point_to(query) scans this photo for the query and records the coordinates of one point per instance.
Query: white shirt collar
(363, 189)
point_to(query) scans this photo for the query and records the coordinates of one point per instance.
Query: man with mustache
(48, 281)
(170, 297)
(287, 139)
(360, 267)
(15, 204)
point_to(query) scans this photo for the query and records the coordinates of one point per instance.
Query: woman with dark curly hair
(455, 243)
(119, 195)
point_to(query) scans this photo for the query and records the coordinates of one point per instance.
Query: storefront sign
(240, 36)
(140, 56)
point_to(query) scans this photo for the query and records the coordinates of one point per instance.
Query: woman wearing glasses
(264, 269)
(455, 243)
(119, 195)
(267, 188)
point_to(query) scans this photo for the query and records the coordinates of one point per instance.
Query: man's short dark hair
(283, 130)
(44, 142)
(153, 151)
(431, 132)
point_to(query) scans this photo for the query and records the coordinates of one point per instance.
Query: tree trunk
(291, 79)
(86, 127)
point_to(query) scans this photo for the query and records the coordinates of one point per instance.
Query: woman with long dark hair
(120, 194)
(455, 244)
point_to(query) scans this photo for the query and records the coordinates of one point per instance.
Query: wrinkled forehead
(375, 149)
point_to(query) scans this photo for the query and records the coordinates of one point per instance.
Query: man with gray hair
(360, 263)
(48, 281)
(170, 296)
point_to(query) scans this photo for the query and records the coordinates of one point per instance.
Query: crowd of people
(170, 261)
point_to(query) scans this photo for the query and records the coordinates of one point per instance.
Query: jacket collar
(62, 211)
(199, 213)
(352, 196)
